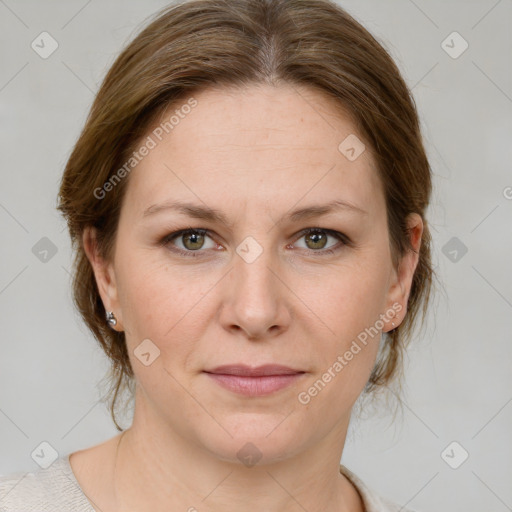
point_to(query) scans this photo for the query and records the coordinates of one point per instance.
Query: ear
(104, 274)
(401, 278)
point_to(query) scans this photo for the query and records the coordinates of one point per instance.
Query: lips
(254, 381)
(248, 371)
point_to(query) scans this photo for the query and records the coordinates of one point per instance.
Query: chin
(255, 440)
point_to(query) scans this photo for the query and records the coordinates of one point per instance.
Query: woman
(247, 205)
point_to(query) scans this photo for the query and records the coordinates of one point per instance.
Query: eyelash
(166, 240)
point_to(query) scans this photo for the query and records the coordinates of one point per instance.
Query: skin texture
(254, 154)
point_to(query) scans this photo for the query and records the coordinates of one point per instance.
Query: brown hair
(199, 43)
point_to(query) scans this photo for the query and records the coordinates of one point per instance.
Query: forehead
(260, 144)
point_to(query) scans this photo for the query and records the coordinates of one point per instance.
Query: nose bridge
(253, 277)
(256, 296)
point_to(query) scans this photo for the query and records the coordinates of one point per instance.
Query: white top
(56, 490)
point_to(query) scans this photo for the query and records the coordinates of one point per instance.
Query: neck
(158, 469)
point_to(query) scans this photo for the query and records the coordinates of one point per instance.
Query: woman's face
(254, 289)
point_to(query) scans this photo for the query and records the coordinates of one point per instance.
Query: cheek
(141, 288)
(351, 296)
(350, 307)
(350, 304)
(162, 303)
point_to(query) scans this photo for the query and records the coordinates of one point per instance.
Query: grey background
(459, 383)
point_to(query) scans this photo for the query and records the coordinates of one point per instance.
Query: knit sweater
(56, 489)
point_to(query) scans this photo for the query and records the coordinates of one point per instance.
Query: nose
(257, 298)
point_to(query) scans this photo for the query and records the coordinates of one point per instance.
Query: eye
(191, 239)
(189, 242)
(316, 240)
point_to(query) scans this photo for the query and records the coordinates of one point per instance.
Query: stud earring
(111, 319)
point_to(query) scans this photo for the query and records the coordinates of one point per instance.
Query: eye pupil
(315, 235)
(194, 236)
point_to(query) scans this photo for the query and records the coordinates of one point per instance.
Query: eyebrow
(211, 214)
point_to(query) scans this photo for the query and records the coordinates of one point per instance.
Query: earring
(111, 319)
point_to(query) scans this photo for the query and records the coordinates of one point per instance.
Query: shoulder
(372, 501)
(44, 490)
